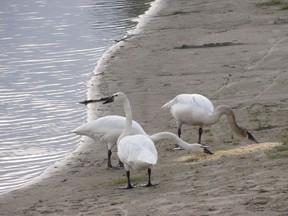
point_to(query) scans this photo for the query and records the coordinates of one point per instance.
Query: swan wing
(100, 125)
(112, 124)
(192, 109)
(190, 101)
(195, 101)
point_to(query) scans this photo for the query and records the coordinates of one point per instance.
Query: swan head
(119, 96)
(109, 99)
(198, 148)
(245, 133)
(206, 150)
(250, 136)
(85, 102)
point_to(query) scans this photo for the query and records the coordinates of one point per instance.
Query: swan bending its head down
(197, 110)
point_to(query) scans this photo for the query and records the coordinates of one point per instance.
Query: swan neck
(128, 122)
(163, 136)
(226, 110)
(172, 137)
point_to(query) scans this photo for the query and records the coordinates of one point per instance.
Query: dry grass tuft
(236, 151)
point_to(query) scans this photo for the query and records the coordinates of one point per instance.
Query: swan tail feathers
(169, 104)
(77, 130)
(144, 161)
(141, 165)
(83, 130)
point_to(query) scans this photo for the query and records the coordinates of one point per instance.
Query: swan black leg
(120, 164)
(179, 135)
(200, 134)
(129, 186)
(109, 159)
(179, 132)
(149, 184)
(109, 166)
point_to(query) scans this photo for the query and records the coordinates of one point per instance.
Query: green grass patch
(280, 151)
(277, 152)
(281, 21)
(282, 4)
(123, 180)
(270, 3)
(277, 155)
(284, 137)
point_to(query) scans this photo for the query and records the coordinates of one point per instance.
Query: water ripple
(48, 51)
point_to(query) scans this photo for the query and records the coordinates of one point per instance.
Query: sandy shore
(235, 53)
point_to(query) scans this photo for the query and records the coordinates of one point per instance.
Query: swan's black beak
(109, 99)
(85, 102)
(250, 137)
(207, 151)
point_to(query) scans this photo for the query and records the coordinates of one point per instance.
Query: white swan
(135, 151)
(197, 110)
(108, 129)
(138, 151)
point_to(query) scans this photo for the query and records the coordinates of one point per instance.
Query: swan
(108, 129)
(197, 110)
(135, 151)
(138, 151)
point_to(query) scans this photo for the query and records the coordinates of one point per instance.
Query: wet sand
(233, 52)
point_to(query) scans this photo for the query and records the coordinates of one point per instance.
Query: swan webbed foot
(120, 164)
(109, 167)
(177, 147)
(114, 168)
(127, 187)
(149, 184)
(118, 167)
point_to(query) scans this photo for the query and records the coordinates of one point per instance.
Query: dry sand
(233, 52)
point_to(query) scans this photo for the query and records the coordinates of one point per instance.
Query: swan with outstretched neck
(197, 110)
(138, 151)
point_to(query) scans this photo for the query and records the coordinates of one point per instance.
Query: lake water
(48, 51)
